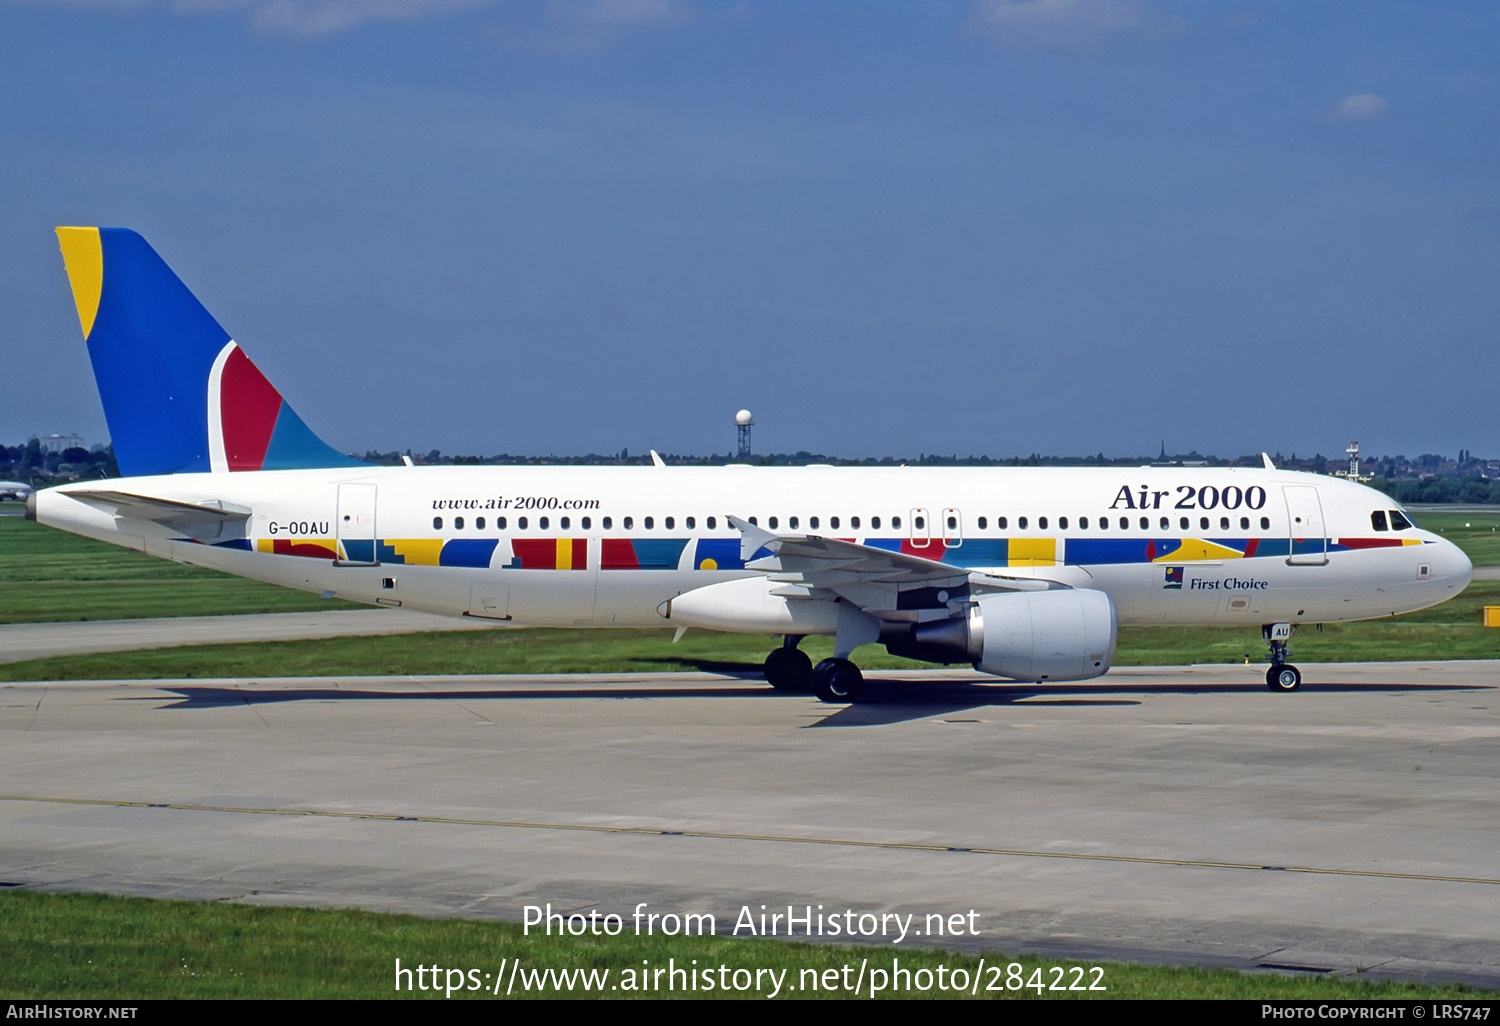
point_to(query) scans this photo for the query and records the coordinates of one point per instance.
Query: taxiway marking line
(774, 838)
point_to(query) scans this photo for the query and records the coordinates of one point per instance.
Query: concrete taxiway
(1171, 814)
(40, 640)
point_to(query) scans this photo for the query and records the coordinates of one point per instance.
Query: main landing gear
(1281, 676)
(833, 680)
(788, 668)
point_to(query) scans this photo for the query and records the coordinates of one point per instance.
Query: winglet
(752, 538)
(1266, 460)
(657, 461)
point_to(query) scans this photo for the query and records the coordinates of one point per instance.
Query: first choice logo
(1227, 584)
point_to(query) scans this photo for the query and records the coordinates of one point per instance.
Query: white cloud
(1070, 25)
(324, 17)
(1361, 107)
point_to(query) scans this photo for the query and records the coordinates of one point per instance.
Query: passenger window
(1203, 523)
(1265, 523)
(479, 523)
(713, 522)
(1124, 523)
(896, 523)
(650, 523)
(1104, 523)
(1062, 523)
(921, 523)
(1183, 523)
(542, 523)
(609, 522)
(587, 523)
(671, 522)
(629, 523)
(1000, 522)
(437, 523)
(1041, 523)
(1083, 523)
(952, 523)
(565, 523)
(521, 523)
(755, 521)
(773, 523)
(983, 523)
(854, 523)
(1244, 523)
(692, 522)
(1145, 523)
(500, 523)
(833, 523)
(458, 523)
(875, 524)
(1223, 523)
(791, 522)
(813, 522)
(1021, 523)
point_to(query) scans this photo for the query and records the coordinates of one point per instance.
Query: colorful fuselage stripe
(724, 553)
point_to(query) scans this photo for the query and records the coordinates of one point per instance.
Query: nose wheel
(1283, 677)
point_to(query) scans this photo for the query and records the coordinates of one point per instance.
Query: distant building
(57, 443)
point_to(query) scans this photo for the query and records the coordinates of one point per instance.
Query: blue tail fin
(179, 395)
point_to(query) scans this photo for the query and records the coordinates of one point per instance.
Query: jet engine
(1066, 634)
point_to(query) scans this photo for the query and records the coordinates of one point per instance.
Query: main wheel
(838, 681)
(1283, 677)
(788, 669)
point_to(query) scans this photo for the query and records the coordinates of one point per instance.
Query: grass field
(48, 575)
(1450, 631)
(101, 947)
(1477, 533)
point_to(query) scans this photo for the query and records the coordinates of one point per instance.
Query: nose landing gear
(1281, 676)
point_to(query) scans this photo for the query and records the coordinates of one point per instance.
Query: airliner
(1024, 573)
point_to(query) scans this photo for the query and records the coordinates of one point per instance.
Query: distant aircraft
(1024, 573)
(14, 491)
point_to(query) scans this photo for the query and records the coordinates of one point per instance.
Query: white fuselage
(607, 546)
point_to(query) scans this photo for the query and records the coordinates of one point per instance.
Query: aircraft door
(919, 529)
(355, 525)
(1305, 524)
(953, 528)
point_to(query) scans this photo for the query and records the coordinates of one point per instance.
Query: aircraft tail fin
(179, 394)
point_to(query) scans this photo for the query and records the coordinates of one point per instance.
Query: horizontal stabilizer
(203, 521)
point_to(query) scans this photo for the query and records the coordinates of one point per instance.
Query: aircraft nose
(1451, 566)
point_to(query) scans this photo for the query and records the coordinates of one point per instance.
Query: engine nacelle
(1067, 634)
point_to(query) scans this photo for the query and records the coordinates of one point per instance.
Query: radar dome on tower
(744, 418)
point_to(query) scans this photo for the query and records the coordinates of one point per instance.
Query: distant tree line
(1427, 479)
(31, 463)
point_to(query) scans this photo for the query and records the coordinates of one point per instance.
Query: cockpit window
(1399, 521)
(1377, 520)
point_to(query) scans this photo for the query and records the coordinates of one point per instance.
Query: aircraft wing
(888, 585)
(203, 521)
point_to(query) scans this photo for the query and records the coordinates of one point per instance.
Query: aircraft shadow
(884, 701)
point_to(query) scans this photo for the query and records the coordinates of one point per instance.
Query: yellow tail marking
(84, 257)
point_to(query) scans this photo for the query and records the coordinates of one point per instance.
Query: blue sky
(975, 226)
